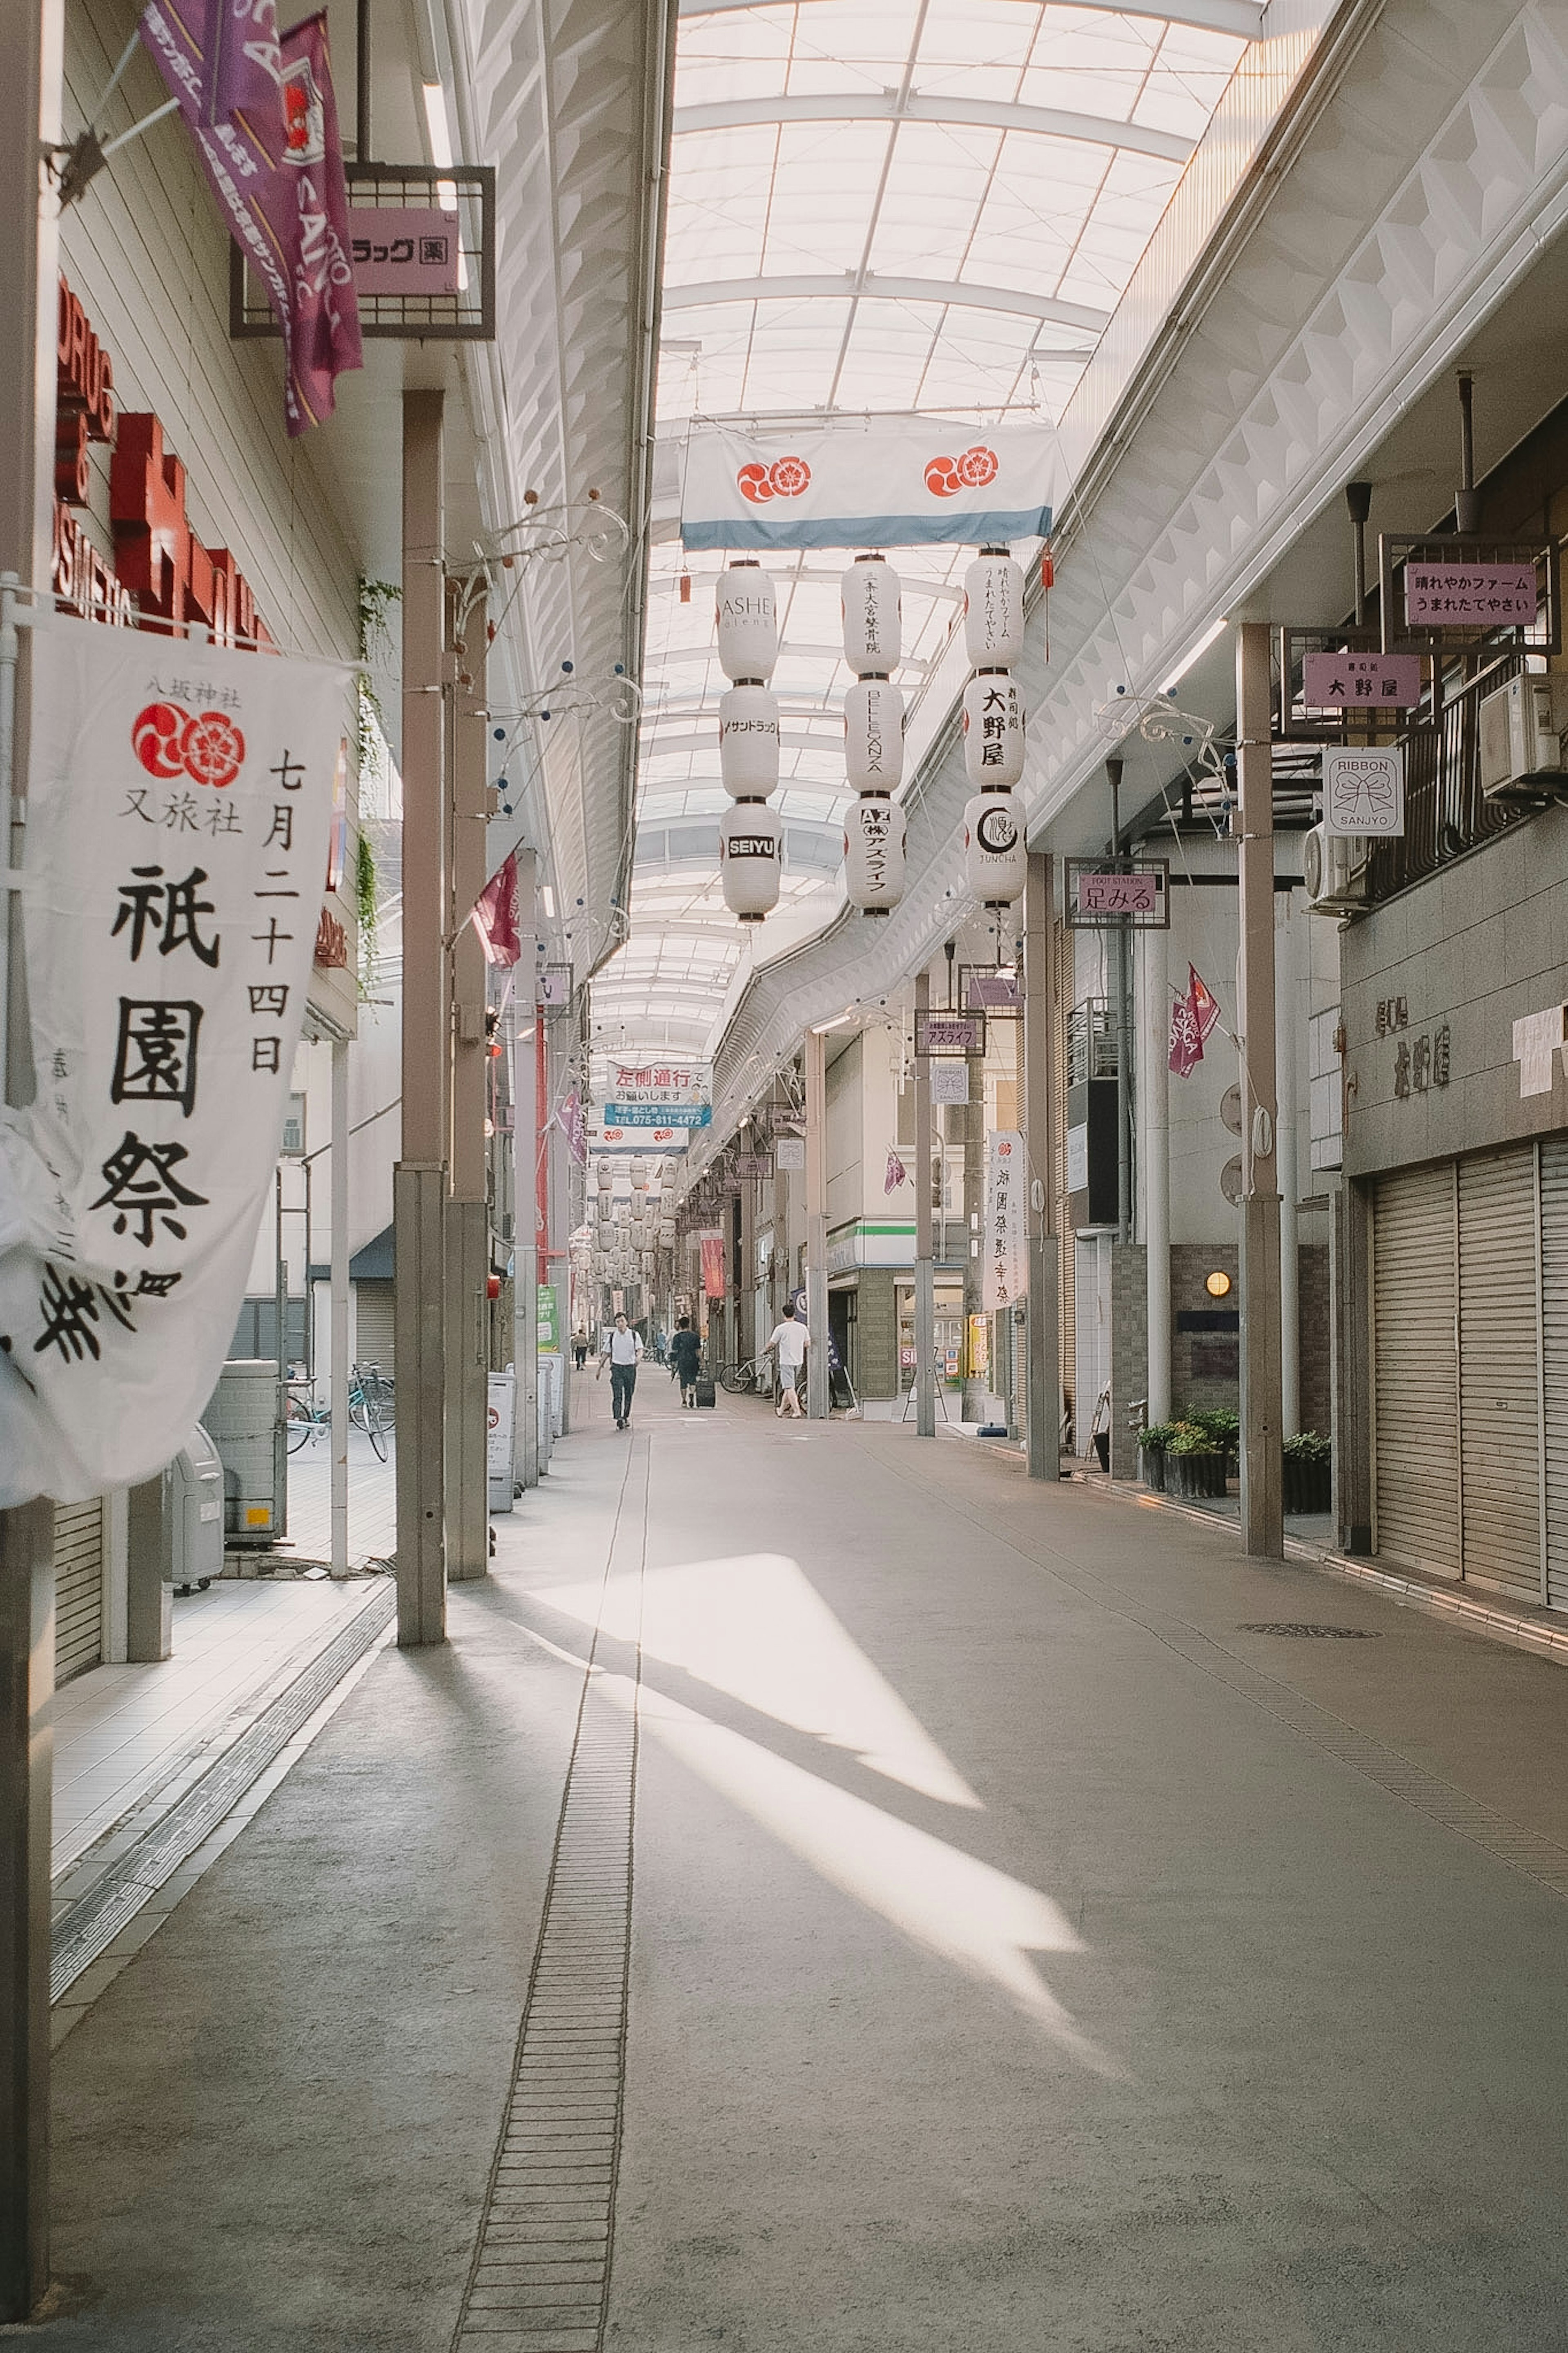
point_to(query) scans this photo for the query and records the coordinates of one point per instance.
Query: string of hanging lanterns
(871, 603)
(751, 838)
(995, 861)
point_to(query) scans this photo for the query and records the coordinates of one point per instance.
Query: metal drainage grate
(1296, 1629)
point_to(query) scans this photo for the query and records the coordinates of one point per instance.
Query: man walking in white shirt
(621, 1354)
(791, 1339)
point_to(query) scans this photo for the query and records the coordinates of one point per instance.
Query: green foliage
(1190, 1437)
(1156, 1435)
(1307, 1446)
(1221, 1428)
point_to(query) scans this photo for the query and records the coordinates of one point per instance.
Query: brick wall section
(1195, 1379)
(1128, 1350)
(1313, 1260)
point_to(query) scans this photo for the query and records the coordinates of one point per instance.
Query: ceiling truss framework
(876, 207)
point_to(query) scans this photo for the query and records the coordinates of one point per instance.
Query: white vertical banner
(1006, 1274)
(178, 807)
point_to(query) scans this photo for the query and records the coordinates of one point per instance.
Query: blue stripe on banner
(658, 1115)
(869, 531)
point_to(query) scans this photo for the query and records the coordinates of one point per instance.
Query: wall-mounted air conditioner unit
(1337, 871)
(1522, 726)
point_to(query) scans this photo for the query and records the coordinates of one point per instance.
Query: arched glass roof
(883, 207)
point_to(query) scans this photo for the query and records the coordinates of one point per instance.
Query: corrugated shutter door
(1415, 1370)
(79, 1587)
(1554, 1323)
(1500, 1405)
(373, 1326)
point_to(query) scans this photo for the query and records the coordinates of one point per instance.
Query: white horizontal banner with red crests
(179, 799)
(887, 486)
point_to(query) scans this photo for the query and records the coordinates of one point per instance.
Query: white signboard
(789, 1154)
(890, 485)
(950, 1081)
(179, 801)
(1469, 595)
(1006, 1271)
(684, 1085)
(1364, 791)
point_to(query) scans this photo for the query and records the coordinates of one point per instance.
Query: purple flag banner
(276, 175)
(239, 42)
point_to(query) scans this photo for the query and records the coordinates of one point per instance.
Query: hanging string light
(751, 840)
(872, 609)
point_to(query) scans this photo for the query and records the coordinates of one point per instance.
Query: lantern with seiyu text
(751, 858)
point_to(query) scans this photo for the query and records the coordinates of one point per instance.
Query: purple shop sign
(1345, 681)
(401, 250)
(1469, 595)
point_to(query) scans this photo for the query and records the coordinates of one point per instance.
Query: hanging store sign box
(655, 1115)
(752, 1164)
(983, 991)
(1347, 681)
(789, 1154)
(1364, 791)
(1470, 595)
(713, 1266)
(950, 1033)
(950, 1083)
(890, 485)
(1106, 898)
(404, 249)
(179, 802)
(1006, 1267)
(672, 1084)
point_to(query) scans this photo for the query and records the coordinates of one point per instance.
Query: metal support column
(30, 42)
(925, 1271)
(338, 1369)
(1040, 1130)
(976, 1388)
(817, 1224)
(468, 1238)
(1262, 1499)
(419, 1181)
(525, 1146)
(1155, 1153)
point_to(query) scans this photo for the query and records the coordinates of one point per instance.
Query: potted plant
(1222, 1428)
(1152, 1440)
(1309, 1485)
(1198, 1462)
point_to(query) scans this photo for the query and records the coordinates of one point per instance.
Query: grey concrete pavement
(1024, 1953)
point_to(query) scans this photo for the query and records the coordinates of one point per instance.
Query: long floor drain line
(541, 2273)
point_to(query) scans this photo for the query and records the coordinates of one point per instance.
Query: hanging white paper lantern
(870, 595)
(639, 1176)
(605, 1179)
(751, 857)
(994, 609)
(874, 853)
(995, 859)
(749, 742)
(873, 735)
(748, 622)
(993, 729)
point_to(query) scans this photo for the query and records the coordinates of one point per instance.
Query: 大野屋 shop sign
(1360, 682)
(179, 801)
(1470, 595)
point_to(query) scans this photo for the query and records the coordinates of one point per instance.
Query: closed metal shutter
(79, 1587)
(372, 1326)
(1499, 1369)
(1554, 1383)
(1415, 1370)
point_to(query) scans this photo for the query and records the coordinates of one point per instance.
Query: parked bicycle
(752, 1373)
(371, 1403)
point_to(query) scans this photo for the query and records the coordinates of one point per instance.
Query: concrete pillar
(525, 1249)
(150, 1571)
(1350, 1290)
(1288, 1017)
(419, 1180)
(817, 1224)
(337, 1341)
(1154, 1149)
(468, 1238)
(30, 42)
(977, 1388)
(1038, 1100)
(1262, 1499)
(925, 1272)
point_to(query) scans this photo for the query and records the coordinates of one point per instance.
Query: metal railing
(1445, 812)
(1091, 1040)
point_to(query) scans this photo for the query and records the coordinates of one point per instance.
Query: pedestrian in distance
(580, 1349)
(685, 1356)
(789, 1340)
(621, 1351)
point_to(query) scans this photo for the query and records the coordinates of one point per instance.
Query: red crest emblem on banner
(945, 477)
(208, 748)
(784, 478)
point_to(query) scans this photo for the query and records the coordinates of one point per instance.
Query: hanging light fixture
(751, 840)
(996, 860)
(871, 605)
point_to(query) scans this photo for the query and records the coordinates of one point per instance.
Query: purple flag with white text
(277, 171)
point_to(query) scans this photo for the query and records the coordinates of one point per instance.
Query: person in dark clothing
(685, 1355)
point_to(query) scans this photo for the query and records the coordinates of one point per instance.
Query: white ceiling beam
(1244, 17)
(852, 287)
(891, 106)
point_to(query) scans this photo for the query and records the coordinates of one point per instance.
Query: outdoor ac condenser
(1337, 871)
(1522, 739)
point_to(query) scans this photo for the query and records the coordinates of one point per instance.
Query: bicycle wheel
(375, 1426)
(733, 1378)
